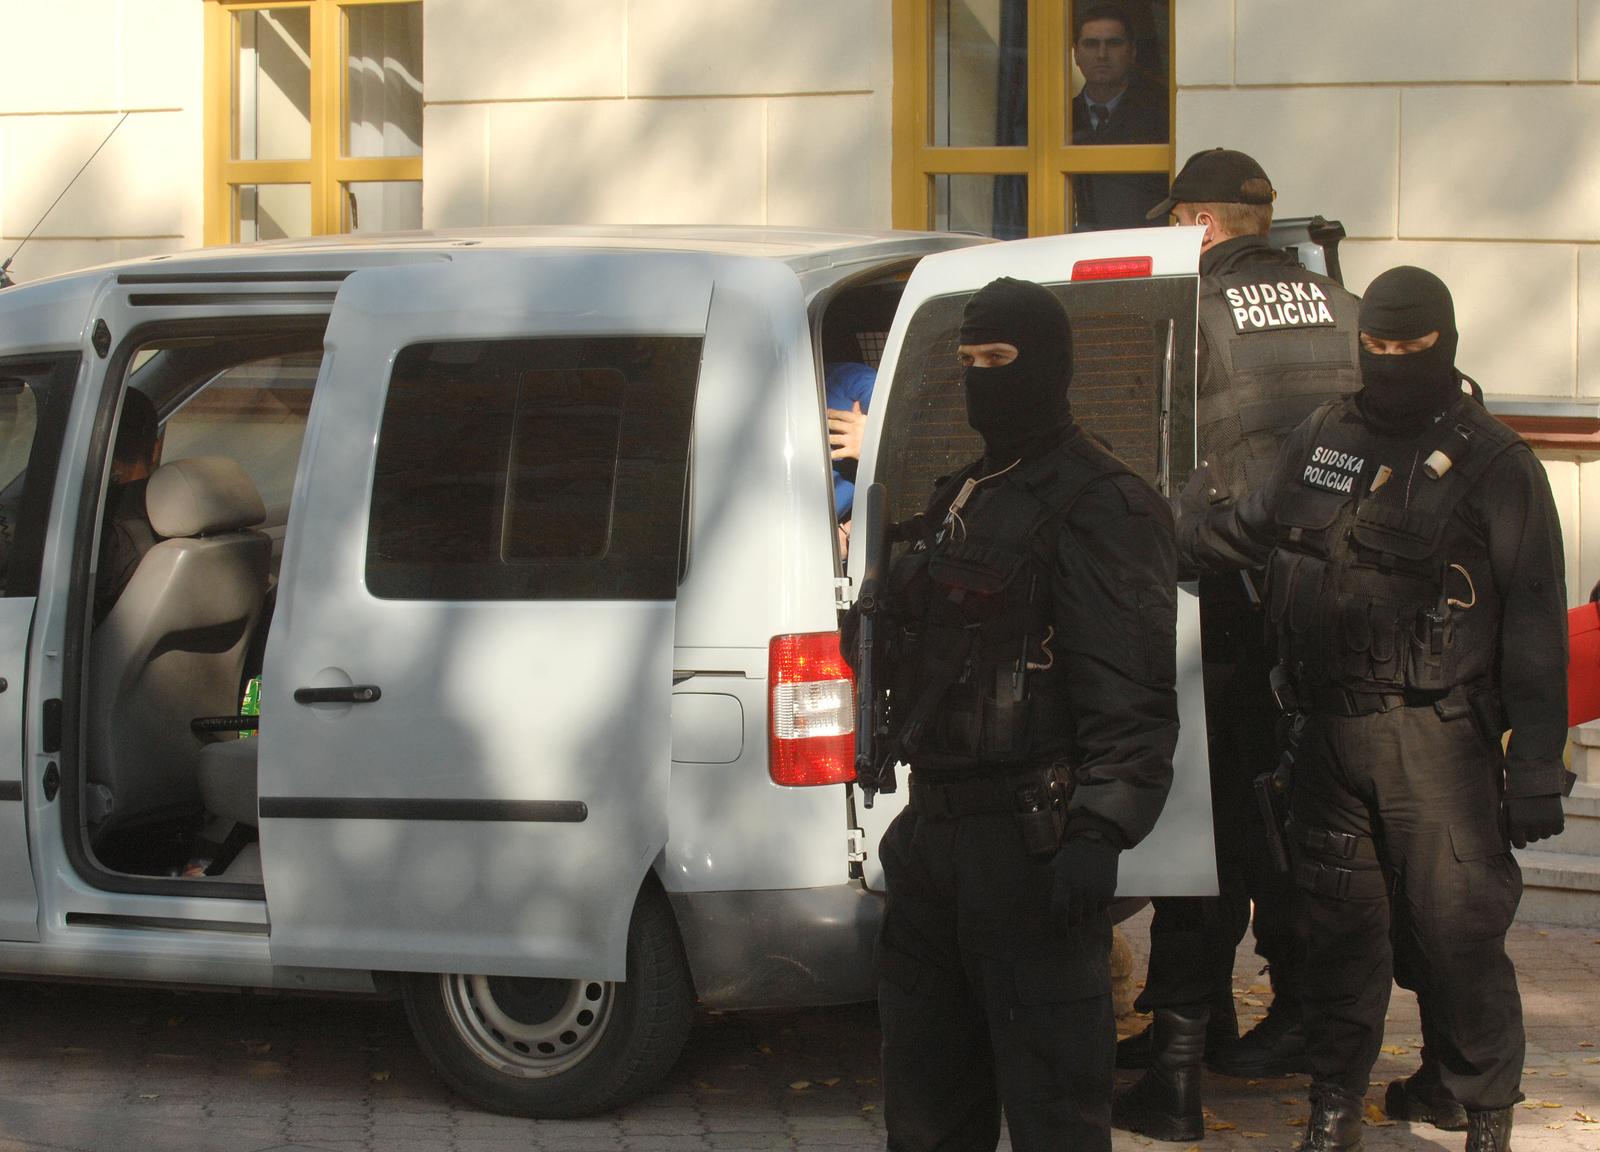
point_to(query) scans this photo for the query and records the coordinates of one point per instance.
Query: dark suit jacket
(1120, 200)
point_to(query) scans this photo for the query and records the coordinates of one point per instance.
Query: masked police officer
(1275, 342)
(1031, 674)
(1416, 586)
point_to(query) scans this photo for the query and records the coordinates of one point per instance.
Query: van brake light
(1113, 268)
(811, 711)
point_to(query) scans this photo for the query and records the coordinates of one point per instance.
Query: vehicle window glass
(533, 469)
(34, 398)
(255, 413)
(1120, 337)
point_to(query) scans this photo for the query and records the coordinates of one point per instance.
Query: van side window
(35, 395)
(533, 470)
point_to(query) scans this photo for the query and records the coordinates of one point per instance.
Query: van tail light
(811, 711)
(1114, 268)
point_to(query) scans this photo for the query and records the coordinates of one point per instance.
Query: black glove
(1086, 873)
(1531, 818)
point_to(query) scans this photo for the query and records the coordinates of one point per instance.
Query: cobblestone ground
(114, 1070)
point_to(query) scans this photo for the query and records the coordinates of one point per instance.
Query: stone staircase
(1561, 877)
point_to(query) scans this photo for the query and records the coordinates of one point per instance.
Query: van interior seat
(173, 646)
(228, 779)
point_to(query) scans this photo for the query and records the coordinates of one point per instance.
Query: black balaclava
(1022, 406)
(1400, 395)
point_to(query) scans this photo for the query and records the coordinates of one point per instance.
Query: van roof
(806, 250)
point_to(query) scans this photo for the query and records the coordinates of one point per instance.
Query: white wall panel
(1205, 42)
(736, 47)
(493, 50)
(1515, 307)
(825, 165)
(1330, 152)
(626, 162)
(1379, 41)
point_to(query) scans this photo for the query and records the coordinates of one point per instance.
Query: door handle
(342, 694)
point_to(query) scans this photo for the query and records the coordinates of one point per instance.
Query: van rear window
(1120, 335)
(533, 469)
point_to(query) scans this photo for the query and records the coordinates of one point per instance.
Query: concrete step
(1559, 887)
(1581, 836)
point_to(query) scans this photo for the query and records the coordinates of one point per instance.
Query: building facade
(1462, 135)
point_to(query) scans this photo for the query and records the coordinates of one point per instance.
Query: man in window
(1115, 107)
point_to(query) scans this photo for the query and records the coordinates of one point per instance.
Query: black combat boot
(1489, 1131)
(1165, 1103)
(1274, 1047)
(1222, 1033)
(1421, 1099)
(1335, 1123)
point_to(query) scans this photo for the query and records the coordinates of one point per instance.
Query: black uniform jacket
(1508, 512)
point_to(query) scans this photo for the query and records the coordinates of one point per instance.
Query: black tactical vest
(1279, 340)
(1378, 583)
(972, 649)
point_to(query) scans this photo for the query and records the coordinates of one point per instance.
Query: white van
(523, 533)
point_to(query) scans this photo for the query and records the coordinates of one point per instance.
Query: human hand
(844, 538)
(1531, 818)
(844, 431)
(1085, 875)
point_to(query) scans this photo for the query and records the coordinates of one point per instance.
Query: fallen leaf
(1259, 990)
(797, 1085)
(1556, 1075)
(1254, 1135)
(1395, 1050)
(764, 1049)
(378, 1077)
(1534, 1104)
(1374, 1116)
(869, 1107)
(149, 1095)
(829, 1082)
(1585, 1043)
(1542, 932)
(1556, 1126)
(1252, 1083)
(1297, 1121)
(1251, 1001)
(1591, 1059)
(1290, 1100)
(1221, 1126)
(1585, 1117)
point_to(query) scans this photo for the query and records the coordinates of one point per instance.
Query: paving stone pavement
(102, 1069)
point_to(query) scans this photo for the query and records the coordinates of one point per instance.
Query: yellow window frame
(327, 170)
(1049, 160)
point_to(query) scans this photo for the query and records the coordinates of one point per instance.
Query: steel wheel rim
(529, 1048)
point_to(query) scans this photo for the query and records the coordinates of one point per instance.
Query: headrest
(200, 496)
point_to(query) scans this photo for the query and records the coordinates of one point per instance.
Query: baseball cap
(1216, 176)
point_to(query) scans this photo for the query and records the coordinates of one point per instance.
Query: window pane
(383, 62)
(272, 84)
(382, 206)
(271, 211)
(1120, 77)
(1116, 200)
(1120, 332)
(990, 205)
(533, 469)
(34, 399)
(979, 73)
(256, 414)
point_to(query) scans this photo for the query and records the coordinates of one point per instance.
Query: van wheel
(549, 1048)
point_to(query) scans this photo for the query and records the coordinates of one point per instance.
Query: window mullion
(325, 72)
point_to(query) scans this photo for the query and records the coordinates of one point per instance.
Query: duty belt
(937, 799)
(1337, 700)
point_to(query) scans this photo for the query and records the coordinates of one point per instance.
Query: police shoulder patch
(1270, 307)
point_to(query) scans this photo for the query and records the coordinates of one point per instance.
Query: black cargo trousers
(1402, 870)
(987, 1001)
(1193, 939)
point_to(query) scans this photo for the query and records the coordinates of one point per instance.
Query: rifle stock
(871, 534)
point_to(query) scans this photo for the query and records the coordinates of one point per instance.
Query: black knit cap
(1215, 176)
(1406, 303)
(1020, 312)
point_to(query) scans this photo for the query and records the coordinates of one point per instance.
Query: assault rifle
(874, 764)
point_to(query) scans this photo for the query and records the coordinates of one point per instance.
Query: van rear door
(465, 719)
(1132, 299)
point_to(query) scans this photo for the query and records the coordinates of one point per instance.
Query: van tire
(637, 1034)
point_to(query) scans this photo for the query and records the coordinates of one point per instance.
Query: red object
(1115, 268)
(1583, 670)
(811, 711)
